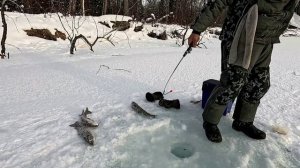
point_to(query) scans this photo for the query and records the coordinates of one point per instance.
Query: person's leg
(232, 81)
(237, 45)
(249, 98)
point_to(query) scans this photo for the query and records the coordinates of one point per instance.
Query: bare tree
(126, 8)
(72, 29)
(4, 35)
(105, 6)
(83, 7)
(139, 9)
(72, 7)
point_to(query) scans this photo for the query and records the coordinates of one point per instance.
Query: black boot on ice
(249, 129)
(169, 103)
(212, 132)
(151, 97)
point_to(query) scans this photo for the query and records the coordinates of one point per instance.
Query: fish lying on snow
(84, 132)
(87, 121)
(141, 111)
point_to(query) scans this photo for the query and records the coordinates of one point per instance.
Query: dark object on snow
(84, 132)
(152, 34)
(212, 132)
(41, 33)
(249, 129)
(59, 34)
(207, 88)
(292, 27)
(176, 34)
(162, 36)
(151, 97)
(105, 24)
(2, 56)
(120, 25)
(141, 111)
(87, 121)
(138, 28)
(170, 103)
(215, 31)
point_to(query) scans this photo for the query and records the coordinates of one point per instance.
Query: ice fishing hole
(182, 150)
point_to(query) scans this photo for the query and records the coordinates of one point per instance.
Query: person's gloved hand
(193, 39)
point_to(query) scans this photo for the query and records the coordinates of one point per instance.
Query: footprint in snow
(296, 73)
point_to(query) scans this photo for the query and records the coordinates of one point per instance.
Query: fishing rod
(188, 51)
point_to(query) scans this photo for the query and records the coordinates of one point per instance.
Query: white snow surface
(43, 90)
(295, 21)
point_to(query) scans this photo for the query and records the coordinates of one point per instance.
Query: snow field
(43, 90)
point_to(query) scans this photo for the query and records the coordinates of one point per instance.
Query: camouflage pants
(247, 85)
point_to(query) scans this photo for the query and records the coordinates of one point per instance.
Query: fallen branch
(91, 45)
(138, 28)
(105, 24)
(14, 46)
(125, 70)
(13, 22)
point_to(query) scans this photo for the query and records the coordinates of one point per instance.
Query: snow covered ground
(43, 90)
(296, 21)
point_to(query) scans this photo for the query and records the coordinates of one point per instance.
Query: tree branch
(4, 34)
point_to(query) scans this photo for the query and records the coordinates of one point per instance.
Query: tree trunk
(172, 5)
(4, 36)
(72, 7)
(83, 7)
(140, 9)
(105, 4)
(126, 8)
(163, 9)
(172, 8)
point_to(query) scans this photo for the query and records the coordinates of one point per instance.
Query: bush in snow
(59, 34)
(120, 25)
(41, 33)
(161, 36)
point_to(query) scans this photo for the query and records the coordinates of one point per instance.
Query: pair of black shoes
(151, 97)
(213, 133)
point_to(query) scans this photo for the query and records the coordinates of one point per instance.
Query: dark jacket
(273, 17)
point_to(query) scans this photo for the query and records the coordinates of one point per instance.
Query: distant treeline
(184, 11)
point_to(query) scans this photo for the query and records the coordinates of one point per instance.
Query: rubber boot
(249, 129)
(170, 103)
(151, 97)
(212, 132)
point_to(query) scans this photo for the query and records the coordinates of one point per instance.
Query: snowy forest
(184, 11)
